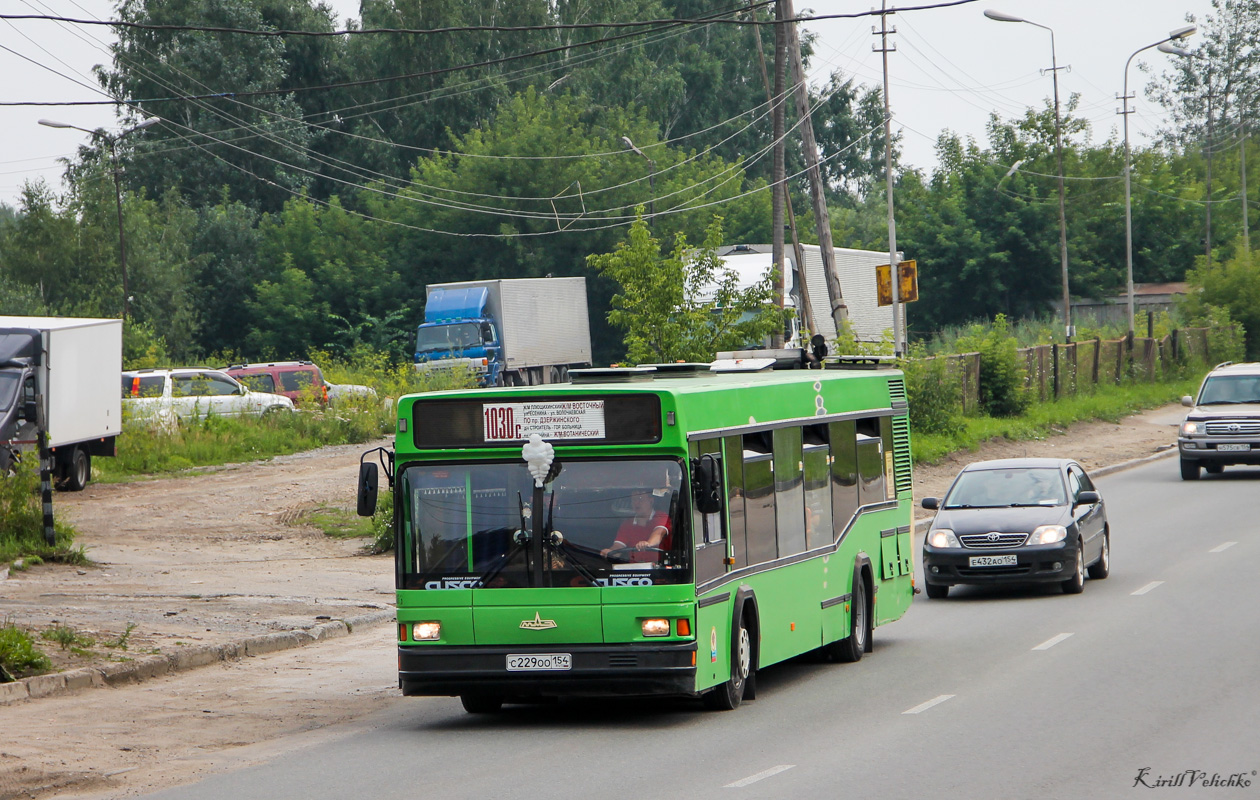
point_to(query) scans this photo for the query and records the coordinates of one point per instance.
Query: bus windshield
(606, 523)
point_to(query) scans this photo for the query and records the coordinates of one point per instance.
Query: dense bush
(1002, 389)
(935, 396)
(22, 517)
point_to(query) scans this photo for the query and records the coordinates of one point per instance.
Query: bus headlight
(1048, 534)
(426, 631)
(656, 627)
(943, 537)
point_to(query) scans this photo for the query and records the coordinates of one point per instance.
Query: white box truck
(61, 374)
(508, 332)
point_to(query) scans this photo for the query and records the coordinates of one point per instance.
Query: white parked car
(348, 391)
(164, 396)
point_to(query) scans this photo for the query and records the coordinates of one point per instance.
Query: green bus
(659, 530)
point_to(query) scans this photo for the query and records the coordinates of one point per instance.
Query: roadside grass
(19, 657)
(337, 523)
(22, 522)
(1108, 402)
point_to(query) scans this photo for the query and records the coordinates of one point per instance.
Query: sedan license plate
(992, 561)
(1234, 448)
(539, 662)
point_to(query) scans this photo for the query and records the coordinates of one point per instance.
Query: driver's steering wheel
(623, 551)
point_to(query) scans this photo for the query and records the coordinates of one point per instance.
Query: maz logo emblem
(537, 623)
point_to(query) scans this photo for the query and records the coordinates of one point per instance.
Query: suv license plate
(539, 662)
(1234, 448)
(993, 561)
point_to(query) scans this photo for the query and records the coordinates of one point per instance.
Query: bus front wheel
(729, 695)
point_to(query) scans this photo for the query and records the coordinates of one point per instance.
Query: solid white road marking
(765, 773)
(1048, 643)
(1223, 547)
(1148, 587)
(935, 701)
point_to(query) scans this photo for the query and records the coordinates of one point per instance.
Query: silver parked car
(165, 396)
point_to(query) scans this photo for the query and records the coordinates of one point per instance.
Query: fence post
(1176, 346)
(1119, 359)
(1097, 353)
(1054, 367)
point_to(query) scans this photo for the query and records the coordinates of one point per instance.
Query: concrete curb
(185, 658)
(922, 525)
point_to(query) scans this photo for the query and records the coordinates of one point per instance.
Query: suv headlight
(1048, 534)
(1190, 428)
(943, 537)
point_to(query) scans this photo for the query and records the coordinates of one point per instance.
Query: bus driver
(648, 528)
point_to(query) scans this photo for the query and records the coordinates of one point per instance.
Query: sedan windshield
(1001, 488)
(472, 525)
(1227, 389)
(448, 338)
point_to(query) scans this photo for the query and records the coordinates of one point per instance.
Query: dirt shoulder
(214, 557)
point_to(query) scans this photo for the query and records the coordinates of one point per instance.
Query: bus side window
(817, 487)
(870, 447)
(844, 472)
(710, 543)
(733, 452)
(759, 498)
(789, 491)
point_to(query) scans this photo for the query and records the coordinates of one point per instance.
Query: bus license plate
(1234, 448)
(539, 662)
(993, 561)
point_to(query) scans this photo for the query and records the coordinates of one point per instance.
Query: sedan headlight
(1189, 428)
(1048, 534)
(943, 537)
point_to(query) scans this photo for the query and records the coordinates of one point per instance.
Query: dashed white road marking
(1148, 587)
(1048, 643)
(921, 707)
(1220, 548)
(760, 776)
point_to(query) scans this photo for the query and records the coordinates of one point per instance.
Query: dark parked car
(1017, 520)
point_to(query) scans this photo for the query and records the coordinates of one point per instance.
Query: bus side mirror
(368, 483)
(706, 484)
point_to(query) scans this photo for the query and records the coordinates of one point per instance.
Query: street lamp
(111, 142)
(1165, 46)
(1058, 151)
(651, 177)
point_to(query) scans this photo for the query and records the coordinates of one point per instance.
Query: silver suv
(1223, 426)
(163, 396)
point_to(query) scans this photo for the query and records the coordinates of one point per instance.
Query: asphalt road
(1148, 674)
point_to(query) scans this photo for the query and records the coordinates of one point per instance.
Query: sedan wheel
(1076, 583)
(936, 591)
(1102, 567)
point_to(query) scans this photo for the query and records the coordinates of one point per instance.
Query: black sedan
(1017, 520)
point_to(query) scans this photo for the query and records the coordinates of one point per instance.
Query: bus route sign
(572, 419)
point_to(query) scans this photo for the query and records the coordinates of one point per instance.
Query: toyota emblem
(1234, 427)
(994, 536)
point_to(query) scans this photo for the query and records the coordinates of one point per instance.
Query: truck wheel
(78, 471)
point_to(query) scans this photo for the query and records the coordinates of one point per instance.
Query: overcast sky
(952, 68)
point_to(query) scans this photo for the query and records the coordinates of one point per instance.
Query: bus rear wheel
(729, 695)
(850, 648)
(481, 703)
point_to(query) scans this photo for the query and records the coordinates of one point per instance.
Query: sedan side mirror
(931, 503)
(1187, 401)
(1088, 498)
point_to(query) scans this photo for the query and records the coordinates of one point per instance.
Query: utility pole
(1242, 158)
(806, 309)
(894, 272)
(779, 175)
(1207, 202)
(839, 311)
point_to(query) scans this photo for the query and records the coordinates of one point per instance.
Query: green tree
(1233, 285)
(685, 306)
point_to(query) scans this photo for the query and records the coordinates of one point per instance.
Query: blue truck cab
(457, 330)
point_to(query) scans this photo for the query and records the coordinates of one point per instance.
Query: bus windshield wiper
(555, 541)
(520, 540)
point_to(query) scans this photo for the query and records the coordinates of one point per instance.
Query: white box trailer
(65, 370)
(856, 270)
